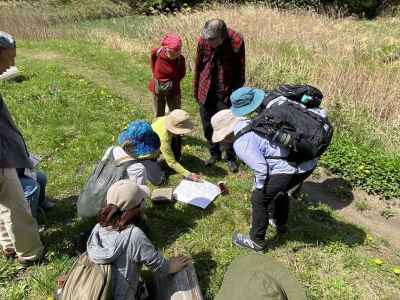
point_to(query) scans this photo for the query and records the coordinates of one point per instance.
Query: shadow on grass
(335, 192)
(194, 141)
(62, 227)
(165, 224)
(315, 225)
(205, 266)
(197, 165)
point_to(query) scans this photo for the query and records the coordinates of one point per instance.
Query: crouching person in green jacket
(170, 129)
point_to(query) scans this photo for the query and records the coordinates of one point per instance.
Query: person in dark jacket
(19, 236)
(219, 70)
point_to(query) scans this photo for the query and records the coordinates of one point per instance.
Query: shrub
(374, 171)
(368, 8)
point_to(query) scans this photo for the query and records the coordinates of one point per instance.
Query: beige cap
(223, 124)
(178, 122)
(127, 194)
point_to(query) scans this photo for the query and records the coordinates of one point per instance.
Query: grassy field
(81, 90)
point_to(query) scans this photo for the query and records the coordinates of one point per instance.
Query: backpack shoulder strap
(125, 160)
(249, 128)
(111, 154)
(154, 56)
(243, 131)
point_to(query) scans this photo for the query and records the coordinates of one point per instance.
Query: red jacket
(164, 68)
(222, 68)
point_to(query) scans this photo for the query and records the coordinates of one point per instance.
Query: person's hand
(178, 263)
(195, 177)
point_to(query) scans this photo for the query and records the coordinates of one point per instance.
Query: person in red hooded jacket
(168, 68)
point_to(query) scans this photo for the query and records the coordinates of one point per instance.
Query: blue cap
(144, 140)
(246, 100)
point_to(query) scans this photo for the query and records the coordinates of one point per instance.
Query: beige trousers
(18, 229)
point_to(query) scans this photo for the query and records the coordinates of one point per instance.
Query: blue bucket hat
(246, 100)
(144, 140)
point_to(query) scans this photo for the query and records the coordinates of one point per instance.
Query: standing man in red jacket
(219, 70)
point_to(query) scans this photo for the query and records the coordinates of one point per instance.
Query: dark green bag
(259, 277)
(163, 87)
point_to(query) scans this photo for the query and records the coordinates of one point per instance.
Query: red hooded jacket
(164, 68)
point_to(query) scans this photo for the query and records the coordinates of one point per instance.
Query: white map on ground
(199, 194)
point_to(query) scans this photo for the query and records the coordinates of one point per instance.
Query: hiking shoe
(243, 241)
(233, 167)
(212, 160)
(25, 263)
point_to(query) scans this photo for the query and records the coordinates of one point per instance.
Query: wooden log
(180, 286)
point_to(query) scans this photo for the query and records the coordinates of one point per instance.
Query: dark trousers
(159, 102)
(275, 191)
(176, 146)
(207, 111)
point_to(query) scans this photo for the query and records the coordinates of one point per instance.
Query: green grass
(76, 98)
(349, 154)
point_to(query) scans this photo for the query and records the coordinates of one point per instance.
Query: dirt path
(95, 75)
(356, 206)
(353, 205)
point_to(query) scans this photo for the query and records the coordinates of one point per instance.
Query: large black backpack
(305, 94)
(107, 172)
(303, 132)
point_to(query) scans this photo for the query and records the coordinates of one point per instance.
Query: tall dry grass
(30, 22)
(344, 57)
(25, 24)
(41, 20)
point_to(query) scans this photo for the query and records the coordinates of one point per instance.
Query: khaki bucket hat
(127, 194)
(178, 122)
(223, 124)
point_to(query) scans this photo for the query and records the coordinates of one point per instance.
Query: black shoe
(212, 160)
(233, 167)
(244, 241)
